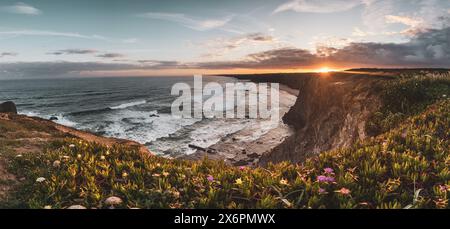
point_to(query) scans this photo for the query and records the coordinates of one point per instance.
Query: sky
(183, 37)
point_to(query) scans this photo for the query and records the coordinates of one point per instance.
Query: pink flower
(344, 191)
(322, 178)
(210, 178)
(328, 170)
(242, 168)
(325, 179)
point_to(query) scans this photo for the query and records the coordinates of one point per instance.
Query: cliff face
(330, 112)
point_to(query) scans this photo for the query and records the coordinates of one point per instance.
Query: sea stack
(8, 107)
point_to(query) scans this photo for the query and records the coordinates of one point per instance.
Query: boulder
(8, 107)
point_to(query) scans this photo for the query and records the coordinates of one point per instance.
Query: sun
(324, 70)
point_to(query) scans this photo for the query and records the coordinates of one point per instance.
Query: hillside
(402, 162)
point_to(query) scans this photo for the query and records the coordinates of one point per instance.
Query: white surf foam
(130, 104)
(61, 118)
(65, 121)
(144, 126)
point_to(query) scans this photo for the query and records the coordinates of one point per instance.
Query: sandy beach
(242, 148)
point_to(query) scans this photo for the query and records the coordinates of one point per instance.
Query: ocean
(135, 108)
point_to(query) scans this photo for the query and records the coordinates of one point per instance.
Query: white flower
(40, 179)
(72, 146)
(47, 207)
(102, 157)
(19, 155)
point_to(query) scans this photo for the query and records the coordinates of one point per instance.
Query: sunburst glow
(325, 70)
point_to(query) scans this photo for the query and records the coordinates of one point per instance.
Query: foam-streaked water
(129, 108)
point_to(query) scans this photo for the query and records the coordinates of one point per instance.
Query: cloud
(61, 68)
(415, 25)
(21, 8)
(130, 40)
(357, 32)
(379, 15)
(31, 69)
(50, 33)
(430, 48)
(5, 54)
(222, 46)
(190, 22)
(111, 55)
(160, 64)
(319, 6)
(73, 51)
(412, 22)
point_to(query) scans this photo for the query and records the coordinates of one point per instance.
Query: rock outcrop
(330, 112)
(8, 107)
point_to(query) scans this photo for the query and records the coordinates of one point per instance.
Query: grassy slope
(407, 166)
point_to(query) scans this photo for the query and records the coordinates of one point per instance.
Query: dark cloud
(4, 54)
(54, 69)
(260, 37)
(430, 48)
(73, 51)
(111, 55)
(161, 64)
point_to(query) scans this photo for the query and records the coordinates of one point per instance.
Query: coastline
(240, 149)
(40, 131)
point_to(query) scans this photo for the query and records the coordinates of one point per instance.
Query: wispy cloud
(5, 54)
(21, 8)
(188, 21)
(409, 21)
(73, 51)
(415, 25)
(50, 33)
(319, 6)
(379, 15)
(221, 46)
(130, 40)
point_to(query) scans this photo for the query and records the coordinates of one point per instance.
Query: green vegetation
(407, 167)
(407, 95)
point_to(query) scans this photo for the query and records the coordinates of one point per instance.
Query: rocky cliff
(330, 112)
